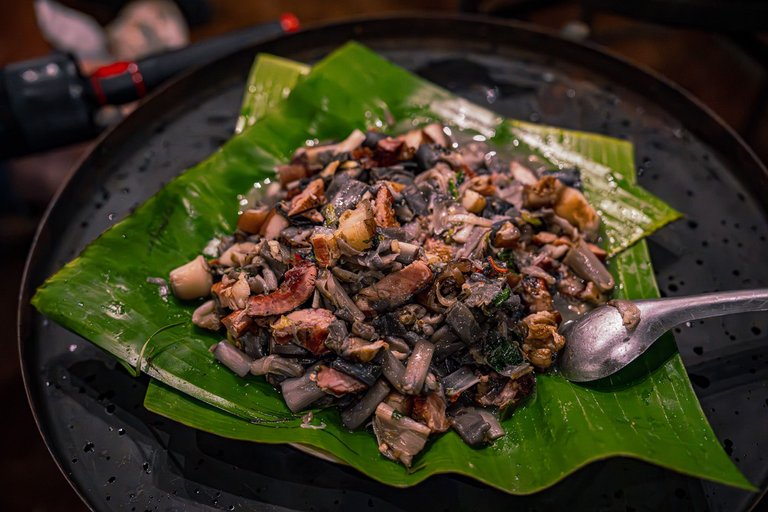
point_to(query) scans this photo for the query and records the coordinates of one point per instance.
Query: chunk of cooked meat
(434, 132)
(312, 215)
(502, 392)
(191, 280)
(357, 227)
(544, 193)
(307, 328)
(388, 148)
(438, 250)
(358, 349)
(325, 247)
(400, 438)
(573, 207)
(237, 322)
(542, 341)
(384, 214)
(430, 410)
(630, 313)
(399, 402)
(394, 289)
(239, 255)
(290, 173)
(251, 220)
(506, 236)
(535, 293)
(309, 198)
(273, 225)
(483, 185)
(232, 293)
(473, 201)
(297, 286)
(544, 237)
(337, 383)
(205, 316)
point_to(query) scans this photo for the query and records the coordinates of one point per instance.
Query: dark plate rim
(679, 103)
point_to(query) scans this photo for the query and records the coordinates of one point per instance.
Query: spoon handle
(674, 311)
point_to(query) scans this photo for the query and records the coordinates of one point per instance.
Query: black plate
(120, 457)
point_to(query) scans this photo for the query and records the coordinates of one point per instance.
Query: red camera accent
(116, 69)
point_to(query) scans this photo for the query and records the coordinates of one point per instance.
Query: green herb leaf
(503, 295)
(530, 219)
(453, 190)
(501, 353)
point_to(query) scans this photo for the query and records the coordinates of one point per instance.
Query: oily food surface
(410, 279)
(103, 295)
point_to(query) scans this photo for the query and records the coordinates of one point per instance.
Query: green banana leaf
(587, 150)
(270, 81)
(103, 296)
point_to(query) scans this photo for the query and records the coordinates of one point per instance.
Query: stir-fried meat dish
(412, 282)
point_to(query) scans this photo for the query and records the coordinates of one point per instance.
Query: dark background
(710, 64)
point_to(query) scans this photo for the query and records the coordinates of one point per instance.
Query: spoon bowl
(608, 338)
(598, 344)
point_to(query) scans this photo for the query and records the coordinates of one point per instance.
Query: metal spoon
(604, 341)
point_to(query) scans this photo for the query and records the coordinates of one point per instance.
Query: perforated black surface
(121, 457)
